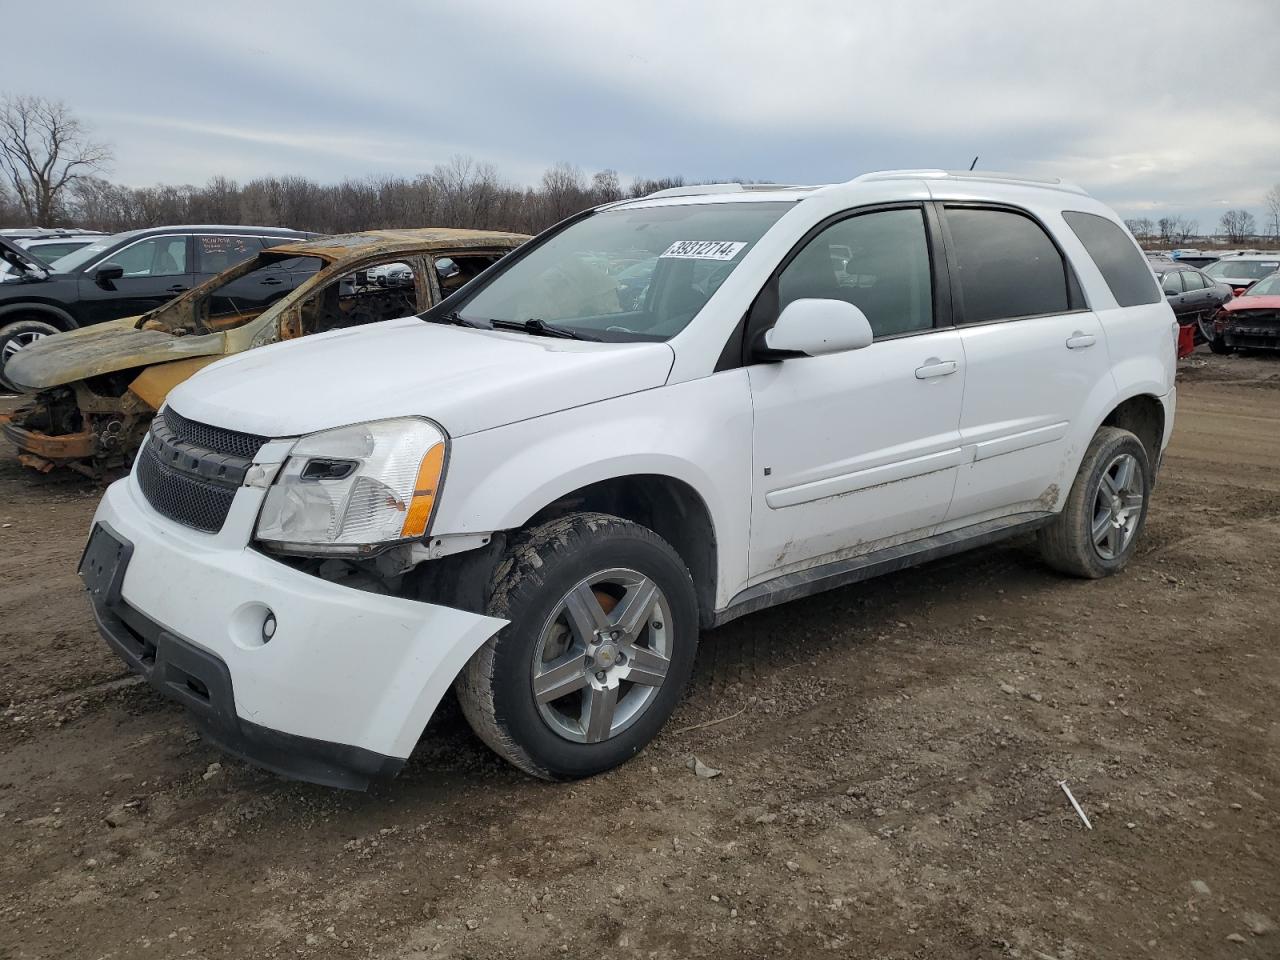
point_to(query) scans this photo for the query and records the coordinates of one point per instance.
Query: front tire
(601, 641)
(1095, 534)
(1218, 346)
(14, 337)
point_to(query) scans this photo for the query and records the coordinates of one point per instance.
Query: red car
(1251, 320)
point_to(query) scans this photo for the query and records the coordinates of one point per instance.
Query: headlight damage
(356, 489)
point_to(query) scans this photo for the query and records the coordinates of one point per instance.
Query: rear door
(156, 269)
(1034, 354)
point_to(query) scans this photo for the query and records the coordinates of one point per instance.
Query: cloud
(804, 92)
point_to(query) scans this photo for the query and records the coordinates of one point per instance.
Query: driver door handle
(1080, 339)
(271, 281)
(176, 288)
(933, 367)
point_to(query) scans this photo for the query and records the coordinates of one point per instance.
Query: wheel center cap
(606, 655)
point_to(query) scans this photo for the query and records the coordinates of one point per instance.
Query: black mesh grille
(213, 438)
(179, 496)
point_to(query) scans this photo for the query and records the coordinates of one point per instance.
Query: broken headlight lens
(357, 488)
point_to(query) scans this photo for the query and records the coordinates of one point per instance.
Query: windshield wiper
(457, 319)
(540, 328)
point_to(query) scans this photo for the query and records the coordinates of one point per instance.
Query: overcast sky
(1157, 108)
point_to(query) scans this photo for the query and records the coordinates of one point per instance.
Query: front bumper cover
(338, 694)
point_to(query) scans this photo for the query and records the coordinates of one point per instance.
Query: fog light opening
(268, 627)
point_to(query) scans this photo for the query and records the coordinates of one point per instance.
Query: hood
(102, 348)
(1252, 303)
(21, 261)
(466, 380)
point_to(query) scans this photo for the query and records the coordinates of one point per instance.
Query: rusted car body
(96, 389)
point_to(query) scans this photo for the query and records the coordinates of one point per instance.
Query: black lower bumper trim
(201, 682)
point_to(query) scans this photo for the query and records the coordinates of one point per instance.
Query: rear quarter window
(1121, 264)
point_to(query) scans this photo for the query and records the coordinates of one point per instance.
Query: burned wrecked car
(96, 389)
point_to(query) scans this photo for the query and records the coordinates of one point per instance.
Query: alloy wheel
(1117, 506)
(602, 656)
(17, 341)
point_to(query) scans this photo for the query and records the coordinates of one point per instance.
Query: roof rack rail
(986, 176)
(699, 189)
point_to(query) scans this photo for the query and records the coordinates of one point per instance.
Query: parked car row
(117, 276)
(96, 387)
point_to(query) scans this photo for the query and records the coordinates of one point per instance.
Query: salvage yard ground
(889, 782)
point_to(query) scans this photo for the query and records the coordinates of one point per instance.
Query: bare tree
(1142, 228)
(606, 187)
(1238, 225)
(1272, 200)
(43, 150)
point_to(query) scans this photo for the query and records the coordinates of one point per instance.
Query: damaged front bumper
(311, 679)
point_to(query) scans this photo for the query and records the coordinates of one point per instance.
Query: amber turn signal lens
(424, 493)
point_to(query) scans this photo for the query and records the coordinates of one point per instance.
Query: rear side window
(1006, 266)
(1121, 264)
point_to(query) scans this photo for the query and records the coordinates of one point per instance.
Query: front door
(857, 450)
(156, 269)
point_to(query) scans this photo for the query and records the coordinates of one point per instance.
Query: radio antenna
(974, 164)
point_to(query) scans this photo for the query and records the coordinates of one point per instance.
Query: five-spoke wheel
(601, 636)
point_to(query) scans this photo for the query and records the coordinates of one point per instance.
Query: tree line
(1236, 226)
(52, 170)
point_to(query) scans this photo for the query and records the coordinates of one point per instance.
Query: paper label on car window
(704, 249)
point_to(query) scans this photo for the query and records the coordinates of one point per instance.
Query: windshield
(591, 279)
(78, 258)
(1270, 287)
(1242, 269)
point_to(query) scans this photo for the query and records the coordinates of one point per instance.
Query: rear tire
(601, 641)
(1095, 534)
(14, 337)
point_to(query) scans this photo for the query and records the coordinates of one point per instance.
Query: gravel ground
(890, 759)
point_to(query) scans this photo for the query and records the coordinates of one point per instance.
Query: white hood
(465, 379)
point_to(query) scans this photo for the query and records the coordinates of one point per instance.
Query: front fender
(498, 479)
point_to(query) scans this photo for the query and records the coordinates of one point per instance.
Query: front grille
(217, 439)
(190, 471)
(189, 500)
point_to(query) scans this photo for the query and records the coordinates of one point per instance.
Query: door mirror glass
(107, 273)
(815, 327)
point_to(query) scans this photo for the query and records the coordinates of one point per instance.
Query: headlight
(355, 489)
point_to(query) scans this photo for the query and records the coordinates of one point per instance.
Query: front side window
(1171, 282)
(1192, 281)
(575, 278)
(1006, 266)
(879, 262)
(154, 257)
(1121, 264)
(216, 253)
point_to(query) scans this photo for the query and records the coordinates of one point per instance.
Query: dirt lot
(889, 786)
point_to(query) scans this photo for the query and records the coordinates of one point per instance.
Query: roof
(348, 245)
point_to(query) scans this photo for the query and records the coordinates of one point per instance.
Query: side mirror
(106, 274)
(817, 327)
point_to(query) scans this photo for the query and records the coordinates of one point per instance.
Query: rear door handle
(1080, 339)
(176, 288)
(933, 367)
(271, 281)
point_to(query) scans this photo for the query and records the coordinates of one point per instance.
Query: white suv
(540, 491)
